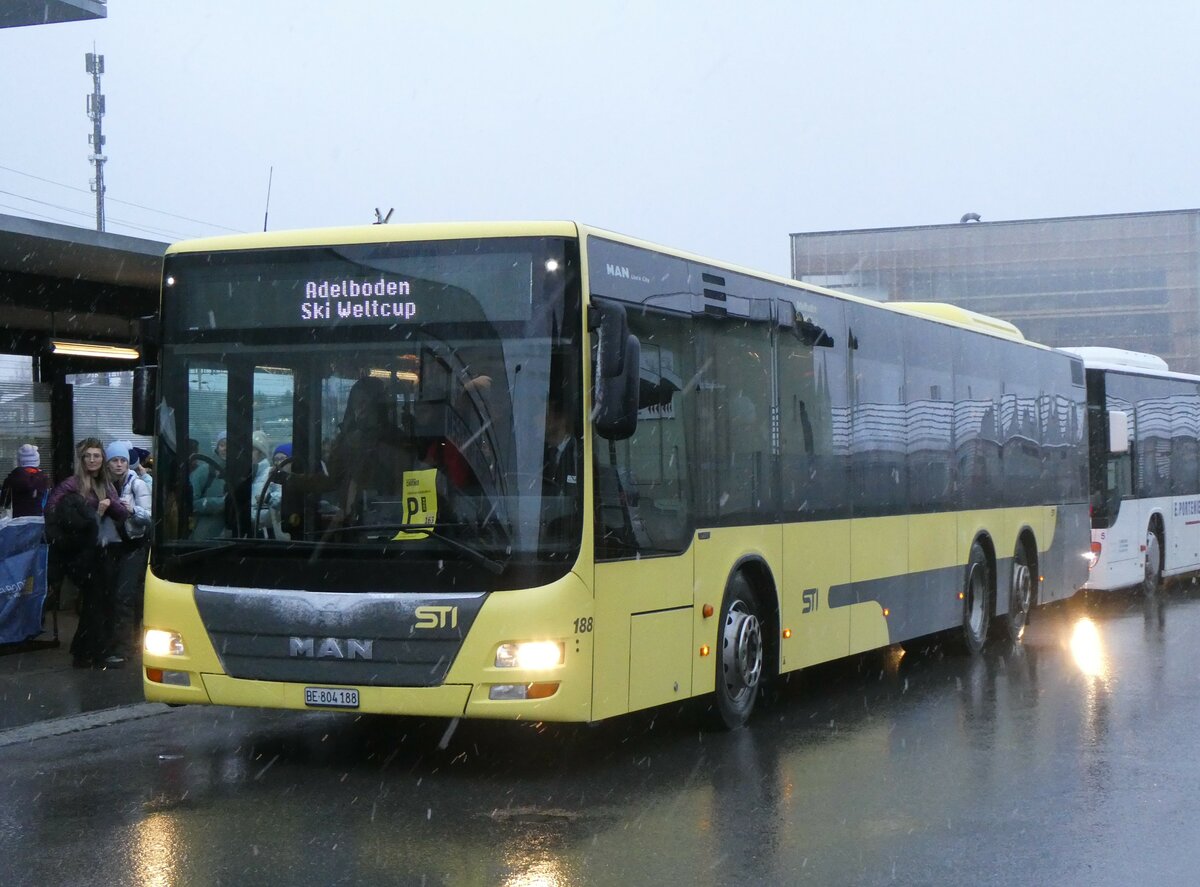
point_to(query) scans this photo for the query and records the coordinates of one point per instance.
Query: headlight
(163, 643)
(534, 655)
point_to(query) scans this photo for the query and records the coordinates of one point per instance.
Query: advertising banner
(22, 578)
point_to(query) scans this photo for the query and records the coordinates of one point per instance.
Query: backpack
(72, 524)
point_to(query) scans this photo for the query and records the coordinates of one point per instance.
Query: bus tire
(739, 654)
(1020, 594)
(977, 600)
(1152, 581)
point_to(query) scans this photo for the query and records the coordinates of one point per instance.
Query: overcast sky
(715, 127)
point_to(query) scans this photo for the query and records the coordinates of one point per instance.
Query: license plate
(331, 697)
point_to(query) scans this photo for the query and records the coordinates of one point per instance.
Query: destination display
(309, 289)
(350, 299)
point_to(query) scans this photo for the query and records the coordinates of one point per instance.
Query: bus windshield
(371, 417)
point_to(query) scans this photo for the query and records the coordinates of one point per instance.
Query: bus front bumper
(446, 701)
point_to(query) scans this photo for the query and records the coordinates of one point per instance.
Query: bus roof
(1119, 360)
(963, 317)
(371, 234)
(951, 315)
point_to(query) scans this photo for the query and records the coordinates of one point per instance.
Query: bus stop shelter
(73, 300)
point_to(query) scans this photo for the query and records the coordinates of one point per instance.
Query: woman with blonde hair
(74, 512)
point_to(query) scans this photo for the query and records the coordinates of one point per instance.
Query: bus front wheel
(739, 654)
(977, 592)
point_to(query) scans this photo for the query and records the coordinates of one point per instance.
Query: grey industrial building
(1123, 281)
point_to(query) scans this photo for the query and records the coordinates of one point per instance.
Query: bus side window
(814, 415)
(642, 496)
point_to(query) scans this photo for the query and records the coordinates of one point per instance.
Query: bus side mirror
(609, 319)
(1118, 431)
(618, 366)
(617, 398)
(145, 381)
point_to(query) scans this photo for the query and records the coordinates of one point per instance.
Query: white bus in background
(1144, 465)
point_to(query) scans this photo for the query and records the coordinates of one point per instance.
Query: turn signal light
(161, 676)
(522, 691)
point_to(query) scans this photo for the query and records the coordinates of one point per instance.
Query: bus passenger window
(641, 487)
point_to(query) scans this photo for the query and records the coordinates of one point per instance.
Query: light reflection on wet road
(1071, 760)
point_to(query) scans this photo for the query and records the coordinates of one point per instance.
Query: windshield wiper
(213, 549)
(493, 566)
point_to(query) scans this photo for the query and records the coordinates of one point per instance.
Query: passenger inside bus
(366, 463)
(370, 454)
(560, 473)
(561, 466)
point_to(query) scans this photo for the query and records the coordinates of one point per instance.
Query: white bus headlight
(163, 643)
(533, 655)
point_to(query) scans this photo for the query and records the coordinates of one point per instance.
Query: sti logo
(437, 617)
(809, 596)
(616, 270)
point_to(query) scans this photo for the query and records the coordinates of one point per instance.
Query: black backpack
(71, 523)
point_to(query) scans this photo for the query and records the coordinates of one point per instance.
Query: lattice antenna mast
(95, 109)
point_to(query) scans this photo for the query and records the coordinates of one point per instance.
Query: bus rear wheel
(1020, 595)
(977, 600)
(739, 655)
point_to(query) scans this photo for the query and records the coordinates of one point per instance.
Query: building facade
(1124, 281)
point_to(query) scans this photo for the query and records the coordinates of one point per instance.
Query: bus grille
(364, 639)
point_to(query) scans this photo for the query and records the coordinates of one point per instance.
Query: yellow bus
(543, 471)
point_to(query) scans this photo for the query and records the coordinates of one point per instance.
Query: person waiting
(25, 488)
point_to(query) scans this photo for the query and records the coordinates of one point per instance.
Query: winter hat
(137, 454)
(285, 448)
(118, 449)
(217, 442)
(28, 456)
(258, 440)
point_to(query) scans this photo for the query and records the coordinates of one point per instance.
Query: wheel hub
(742, 653)
(975, 591)
(1022, 588)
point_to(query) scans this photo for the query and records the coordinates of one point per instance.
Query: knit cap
(259, 441)
(28, 456)
(285, 448)
(118, 449)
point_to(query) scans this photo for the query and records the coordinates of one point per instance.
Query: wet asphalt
(1068, 760)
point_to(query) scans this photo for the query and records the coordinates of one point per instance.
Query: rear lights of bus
(163, 643)
(1093, 556)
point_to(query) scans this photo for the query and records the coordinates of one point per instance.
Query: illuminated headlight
(163, 643)
(530, 654)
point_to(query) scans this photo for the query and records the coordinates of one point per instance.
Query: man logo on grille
(330, 648)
